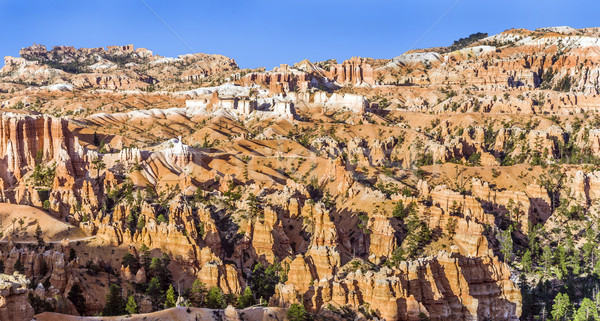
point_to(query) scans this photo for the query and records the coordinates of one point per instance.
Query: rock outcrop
(13, 298)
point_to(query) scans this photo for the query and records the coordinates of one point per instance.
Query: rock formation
(13, 298)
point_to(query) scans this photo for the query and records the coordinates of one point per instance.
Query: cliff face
(444, 287)
(353, 72)
(27, 141)
(37, 153)
(281, 80)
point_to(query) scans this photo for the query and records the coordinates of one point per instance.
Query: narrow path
(50, 242)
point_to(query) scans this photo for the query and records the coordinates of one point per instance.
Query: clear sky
(269, 32)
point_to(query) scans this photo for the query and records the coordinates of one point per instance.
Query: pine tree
(154, 291)
(38, 235)
(297, 312)
(547, 258)
(587, 311)
(526, 261)
(131, 306)
(146, 259)
(76, 297)
(159, 267)
(247, 299)
(215, 298)
(451, 227)
(418, 236)
(115, 303)
(263, 280)
(198, 294)
(141, 223)
(506, 245)
(561, 259)
(561, 308)
(19, 266)
(166, 277)
(170, 298)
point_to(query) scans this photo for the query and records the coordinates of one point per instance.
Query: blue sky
(269, 32)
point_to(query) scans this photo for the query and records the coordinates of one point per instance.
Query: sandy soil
(52, 229)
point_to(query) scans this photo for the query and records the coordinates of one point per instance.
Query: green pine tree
(526, 261)
(170, 298)
(297, 312)
(154, 291)
(131, 306)
(587, 311)
(561, 309)
(146, 258)
(215, 299)
(247, 299)
(547, 259)
(506, 245)
(197, 294)
(38, 235)
(76, 297)
(115, 303)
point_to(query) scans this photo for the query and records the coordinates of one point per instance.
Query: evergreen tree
(574, 262)
(506, 245)
(418, 236)
(215, 299)
(526, 261)
(76, 297)
(18, 266)
(38, 235)
(527, 299)
(451, 227)
(146, 258)
(533, 243)
(561, 260)
(38, 304)
(155, 292)
(596, 269)
(297, 312)
(561, 308)
(141, 223)
(587, 311)
(155, 265)
(115, 303)
(131, 306)
(166, 277)
(263, 280)
(547, 258)
(170, 298)
(159, 267)
(1, 266)
(197, 294)
(247, 299)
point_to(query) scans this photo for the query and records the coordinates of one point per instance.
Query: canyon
(441, 184)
